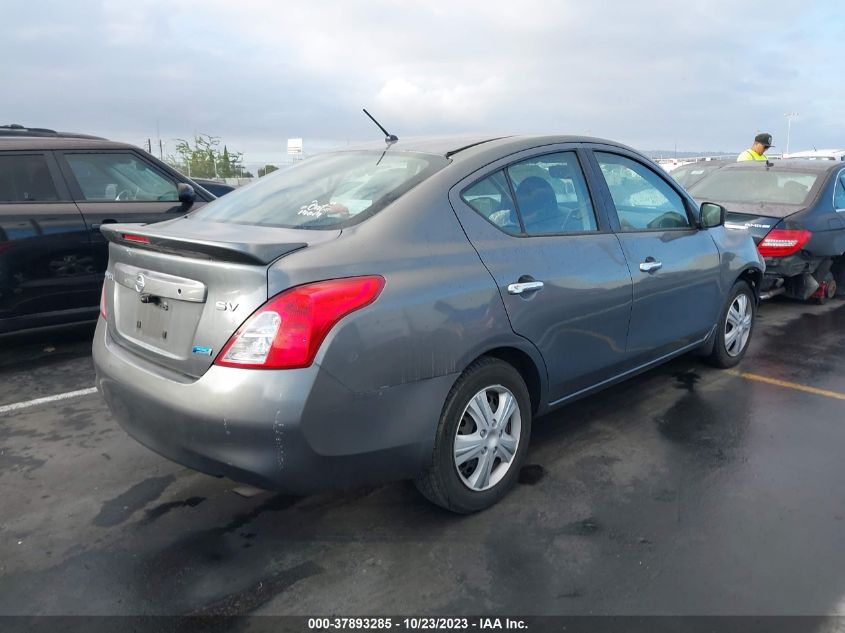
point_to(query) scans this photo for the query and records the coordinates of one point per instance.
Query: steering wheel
(668, 220)
(125, 194)
(573, 213)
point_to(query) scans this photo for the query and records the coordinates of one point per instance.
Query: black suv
(56, 190)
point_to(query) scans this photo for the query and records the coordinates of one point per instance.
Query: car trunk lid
(175, 292)
(757, 219)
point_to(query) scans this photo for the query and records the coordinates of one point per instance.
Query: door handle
(525, 286)
(650, 265)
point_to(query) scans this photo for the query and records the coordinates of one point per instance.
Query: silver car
(404, 310)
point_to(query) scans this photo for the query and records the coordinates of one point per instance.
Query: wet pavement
(687, 490)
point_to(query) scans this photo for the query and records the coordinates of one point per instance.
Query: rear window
(688, 175)
(330, 191)
(769, 186)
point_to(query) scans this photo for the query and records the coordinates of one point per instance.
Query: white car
(819, 154)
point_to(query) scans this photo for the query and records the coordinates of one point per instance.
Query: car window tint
(26, 178)
(122, 177)
(643, 200)
(491, 198)
(551, 195)
(839, 193)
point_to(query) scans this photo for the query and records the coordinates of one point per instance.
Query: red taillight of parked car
(103, 312)
(783, 242)
(287, 331)
(139, 239)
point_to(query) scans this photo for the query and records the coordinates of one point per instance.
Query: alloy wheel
(738, 325)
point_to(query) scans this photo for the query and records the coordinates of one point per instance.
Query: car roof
(58, 142)
(464, 146)
(17, 130)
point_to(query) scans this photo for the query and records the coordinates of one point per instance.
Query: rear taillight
(287, 331)
(103, 312)
(783, 242)
(140, 239)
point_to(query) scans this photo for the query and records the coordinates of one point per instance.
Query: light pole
(789, 116)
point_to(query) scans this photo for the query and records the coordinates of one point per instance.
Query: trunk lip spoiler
(240, 252)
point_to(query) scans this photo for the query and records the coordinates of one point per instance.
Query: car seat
(537, 203)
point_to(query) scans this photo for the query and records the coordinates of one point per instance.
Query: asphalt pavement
(687, 490)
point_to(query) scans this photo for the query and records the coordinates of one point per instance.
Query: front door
(118, 186)
(675, 266)
(561, 273)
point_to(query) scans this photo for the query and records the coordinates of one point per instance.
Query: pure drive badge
(202, 351)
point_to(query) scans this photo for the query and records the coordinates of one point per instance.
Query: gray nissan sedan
(404, 310)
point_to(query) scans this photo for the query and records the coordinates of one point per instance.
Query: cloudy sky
(692, 74)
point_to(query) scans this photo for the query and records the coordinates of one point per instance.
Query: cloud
(422, 98)
(702, 74)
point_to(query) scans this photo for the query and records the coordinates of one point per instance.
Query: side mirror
(712, 214)
(187, 195)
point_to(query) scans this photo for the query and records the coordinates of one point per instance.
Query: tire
(739, 311)
(463, 488)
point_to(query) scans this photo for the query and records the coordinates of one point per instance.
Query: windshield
(770, 186)
(330, 191)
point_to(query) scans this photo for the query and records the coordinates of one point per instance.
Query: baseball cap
(764, 139)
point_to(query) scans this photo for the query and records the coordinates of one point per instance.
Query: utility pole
(789, 116)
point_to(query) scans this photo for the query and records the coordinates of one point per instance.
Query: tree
(225, 166)
(203, 158)
(263, 171)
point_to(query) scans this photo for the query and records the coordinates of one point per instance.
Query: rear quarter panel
(737, 253)
(440, 307)
(826, 224)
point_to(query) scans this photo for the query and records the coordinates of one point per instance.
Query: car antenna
(388, 137)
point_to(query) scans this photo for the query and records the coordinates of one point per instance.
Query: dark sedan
(795, 211)
(404, 310)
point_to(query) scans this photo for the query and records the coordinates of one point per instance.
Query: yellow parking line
(788, 385)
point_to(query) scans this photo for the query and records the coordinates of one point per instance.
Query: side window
(839, 192)
(124, 177)
(26, 178)
(551, 195)
(491, 198)
(643, 200)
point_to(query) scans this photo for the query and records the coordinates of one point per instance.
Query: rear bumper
(798, 275)
(297, 431)
(784, 267)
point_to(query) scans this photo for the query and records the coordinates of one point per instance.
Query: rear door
(47, 272)
(675, 266)
(560, 270)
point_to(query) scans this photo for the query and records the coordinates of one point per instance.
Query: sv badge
(226, 305)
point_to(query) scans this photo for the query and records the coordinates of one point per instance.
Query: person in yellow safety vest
(762, 142)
